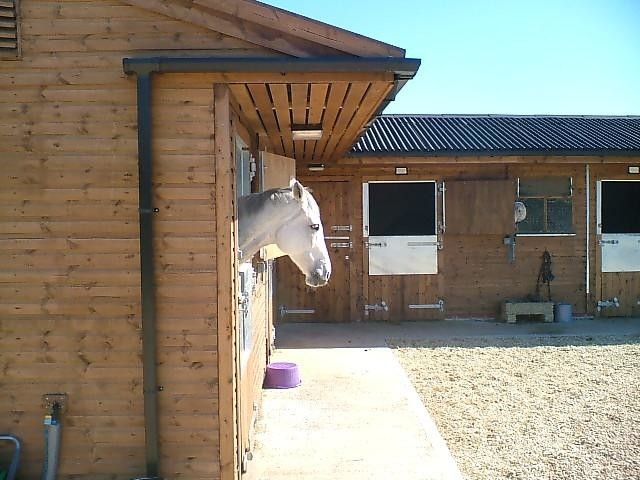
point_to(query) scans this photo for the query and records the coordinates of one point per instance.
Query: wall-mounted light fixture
(401, 170)
(315, 167)
(633, 169)
(306, 132)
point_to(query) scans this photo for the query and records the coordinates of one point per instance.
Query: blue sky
(548, 57)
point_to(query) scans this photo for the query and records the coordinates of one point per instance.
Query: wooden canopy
(340, 108)
(348, 80)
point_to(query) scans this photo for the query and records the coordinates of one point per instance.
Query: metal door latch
(376, 307)
(375, 244)
(341, 244)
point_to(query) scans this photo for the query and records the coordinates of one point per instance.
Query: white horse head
(290, 218)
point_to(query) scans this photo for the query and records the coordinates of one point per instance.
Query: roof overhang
(271, 94)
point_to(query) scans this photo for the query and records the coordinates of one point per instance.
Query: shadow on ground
(444, 332)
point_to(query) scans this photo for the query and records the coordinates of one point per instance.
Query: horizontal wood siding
(186, 269)
(475, 275)
(69, 270)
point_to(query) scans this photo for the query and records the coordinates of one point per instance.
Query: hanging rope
(545, 275)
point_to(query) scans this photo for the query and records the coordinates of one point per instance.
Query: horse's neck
(259, 218)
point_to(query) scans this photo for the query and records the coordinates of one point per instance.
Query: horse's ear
(297, 189)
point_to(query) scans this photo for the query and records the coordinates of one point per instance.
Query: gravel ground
(533, 407)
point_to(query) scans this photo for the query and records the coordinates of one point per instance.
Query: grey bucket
(564, 312)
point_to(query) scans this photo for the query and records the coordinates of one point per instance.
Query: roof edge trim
(497, 153)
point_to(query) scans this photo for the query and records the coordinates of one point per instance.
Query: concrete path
(356, 415)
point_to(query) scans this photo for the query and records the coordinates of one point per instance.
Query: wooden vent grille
(9, 46)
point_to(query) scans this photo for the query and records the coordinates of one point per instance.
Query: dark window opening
(549, 205)
(620, 207)
(401, 209)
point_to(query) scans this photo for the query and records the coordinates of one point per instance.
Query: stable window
(548, 203)
(400, 209)
(620, 207)
(9, 30)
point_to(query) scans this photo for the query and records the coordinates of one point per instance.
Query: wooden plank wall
(69, 269)
(186, 272)
(475, 276)
(227, 273)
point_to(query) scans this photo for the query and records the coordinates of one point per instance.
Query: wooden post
(225, 252)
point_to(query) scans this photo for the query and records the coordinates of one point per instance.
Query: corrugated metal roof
(424, 135)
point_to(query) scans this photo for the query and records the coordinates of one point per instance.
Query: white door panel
(620, 252)
(407, 255)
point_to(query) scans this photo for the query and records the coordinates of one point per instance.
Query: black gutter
(147, 276)
(403, 70)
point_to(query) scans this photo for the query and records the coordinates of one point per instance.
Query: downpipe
(52, 434)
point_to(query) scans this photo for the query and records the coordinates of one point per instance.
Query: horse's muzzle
(319, 277)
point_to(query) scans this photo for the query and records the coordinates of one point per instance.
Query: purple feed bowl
(282, 375)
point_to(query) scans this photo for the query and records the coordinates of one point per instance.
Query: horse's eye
(315, 226)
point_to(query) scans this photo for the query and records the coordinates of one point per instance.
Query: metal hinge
(433, 306)
(282, 310)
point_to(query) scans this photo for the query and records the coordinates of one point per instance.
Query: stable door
(297, 302)
(401, 249)
(618, 229)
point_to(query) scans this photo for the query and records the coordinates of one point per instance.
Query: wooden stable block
(510, 310)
